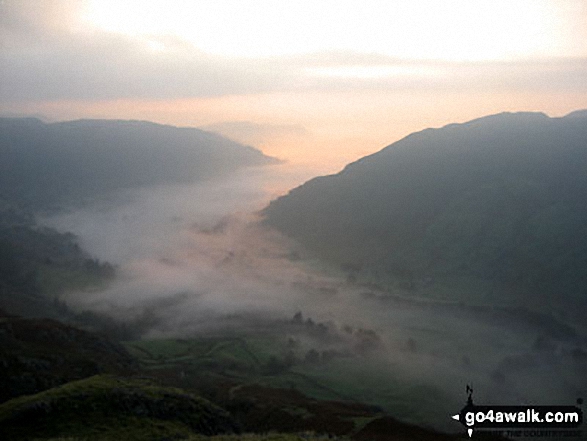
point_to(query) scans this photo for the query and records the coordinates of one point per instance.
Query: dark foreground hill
(106, 407)
(492, 210)
(49, 164)
(38, 354)
(176, 389)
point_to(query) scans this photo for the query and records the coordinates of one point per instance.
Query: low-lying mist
(193, 259)
(188, 253)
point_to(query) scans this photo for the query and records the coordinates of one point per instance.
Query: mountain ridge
(497, 199)
(44, 165)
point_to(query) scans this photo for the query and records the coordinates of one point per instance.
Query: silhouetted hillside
(44, 165)
(38, 354)
(491, 210)
(107, 407)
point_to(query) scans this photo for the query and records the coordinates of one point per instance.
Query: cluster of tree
(334, 342)
(315, 328)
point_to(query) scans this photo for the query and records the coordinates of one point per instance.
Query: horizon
(301, 171)
(355, 80)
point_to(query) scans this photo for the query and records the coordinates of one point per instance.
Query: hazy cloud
(115, 66)
(29, 22)
(49, 53)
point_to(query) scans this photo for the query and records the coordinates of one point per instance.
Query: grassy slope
(106, 407)
(325, 396)
(252, 366)
(254, 378)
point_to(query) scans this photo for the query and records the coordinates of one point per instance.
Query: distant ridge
(577, 114)
(46, 165)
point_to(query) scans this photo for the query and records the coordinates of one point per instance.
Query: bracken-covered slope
(51, 164)
(493, 208)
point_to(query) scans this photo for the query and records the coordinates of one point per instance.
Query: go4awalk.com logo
(523, 421)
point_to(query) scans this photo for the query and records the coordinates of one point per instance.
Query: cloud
(116, 66)
(50, 53)
(23, 22)
(47, 55)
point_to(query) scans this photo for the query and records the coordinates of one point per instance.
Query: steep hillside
(45, 165)
(491, 210)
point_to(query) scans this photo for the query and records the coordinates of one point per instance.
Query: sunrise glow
(449, 30)
(353, 76)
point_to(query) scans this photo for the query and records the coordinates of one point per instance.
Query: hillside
(38, 264)
(48, 165)
(65, 383)
(107, 407)
(491, 211)
(38, 354)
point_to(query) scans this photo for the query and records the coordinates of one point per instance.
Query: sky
(316, 83)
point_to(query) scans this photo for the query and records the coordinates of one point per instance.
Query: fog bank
(193, 259)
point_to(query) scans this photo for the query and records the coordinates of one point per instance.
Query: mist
(179, 161)
(195, 260)
(197, 249)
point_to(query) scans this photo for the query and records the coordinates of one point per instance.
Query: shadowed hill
(45, 165)
(38, 264)
(106, 407)
(38, 354)
(495, 206)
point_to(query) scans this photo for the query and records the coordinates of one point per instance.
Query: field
(328, 371)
